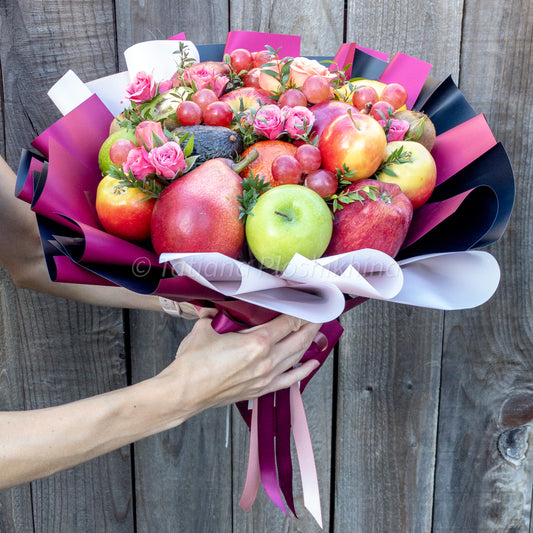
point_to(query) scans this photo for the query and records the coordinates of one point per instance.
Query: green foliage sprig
(345, 197)
(396, 157)
(252, 188)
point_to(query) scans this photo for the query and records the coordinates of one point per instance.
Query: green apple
(416, 175)
(288, 219)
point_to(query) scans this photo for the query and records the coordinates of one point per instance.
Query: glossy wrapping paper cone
(469, 209)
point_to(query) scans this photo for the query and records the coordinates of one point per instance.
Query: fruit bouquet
(245, 177)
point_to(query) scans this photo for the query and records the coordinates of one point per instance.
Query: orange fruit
(268, 151)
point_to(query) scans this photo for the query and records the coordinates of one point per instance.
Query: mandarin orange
(268, 151)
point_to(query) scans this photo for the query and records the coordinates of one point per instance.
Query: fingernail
(321, 341)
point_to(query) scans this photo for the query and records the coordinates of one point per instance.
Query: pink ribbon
(270, 421)
(306, 458)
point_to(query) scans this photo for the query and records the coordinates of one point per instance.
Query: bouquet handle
(273, 417)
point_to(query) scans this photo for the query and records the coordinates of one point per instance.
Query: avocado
(211, 142)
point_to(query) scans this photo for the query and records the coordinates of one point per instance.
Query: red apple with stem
(353, 142)
(378, 217)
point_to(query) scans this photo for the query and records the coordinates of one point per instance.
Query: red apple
(199, 212)
(380, 224)
(355, 142)
(123, 211)
(325, 112)
(417, 176)
(246, 97)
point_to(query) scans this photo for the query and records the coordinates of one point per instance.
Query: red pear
(199, 212)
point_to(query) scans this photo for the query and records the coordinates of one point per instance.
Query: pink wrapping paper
(289, 45)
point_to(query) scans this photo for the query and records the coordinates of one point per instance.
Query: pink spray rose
(269, 121)
(206, 76)
(142, 88)
(396, 129)
(145, 131)
(137, 161)
(164, 86)
(298, 120)
(167, 160)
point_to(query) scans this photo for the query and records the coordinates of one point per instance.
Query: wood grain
(183, 476)
(56, 351)
(387, 406)
(484, 462)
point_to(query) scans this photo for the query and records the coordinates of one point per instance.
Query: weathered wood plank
(389, 365)
(430, 31)
(484, 464)
(389, 372)
(15, 504)
(182, 476)
(54, 351)
(202, 22)
(320, 26)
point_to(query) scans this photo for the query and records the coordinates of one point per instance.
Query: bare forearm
(21, 253)
(210, 370)
(35, 444)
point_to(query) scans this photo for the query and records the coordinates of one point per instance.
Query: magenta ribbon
(270, 420)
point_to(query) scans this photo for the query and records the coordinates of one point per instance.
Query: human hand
(220, 369)
(186, 310)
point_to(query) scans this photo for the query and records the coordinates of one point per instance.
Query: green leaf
(252, 188)
(389, 172)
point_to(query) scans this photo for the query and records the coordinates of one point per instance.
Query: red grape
(204, 97)
(286, 169)
(262, 57)
(218, 114)
(241, 59)
(251, 78)
(382, 110)
(309, 157)
(316, 89)
(189, 113)
(363, 95)
(292, 98)
(395, 94)
(322, 181)
(119, 150)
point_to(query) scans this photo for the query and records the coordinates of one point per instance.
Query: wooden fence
(420, 421)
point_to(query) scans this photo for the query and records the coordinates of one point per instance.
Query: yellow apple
(345, 92)
(414, 171)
